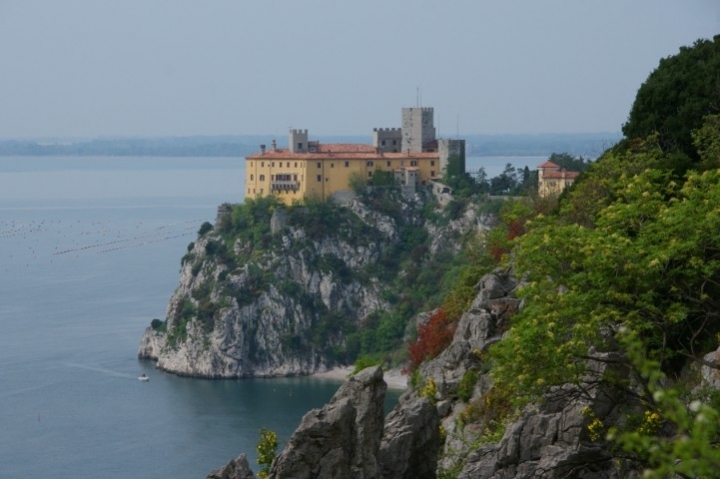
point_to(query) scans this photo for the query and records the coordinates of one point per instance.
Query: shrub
(433, 337)
(467, 385)
(365, 362)
(157, 325)
(204, 228)
(266, 448)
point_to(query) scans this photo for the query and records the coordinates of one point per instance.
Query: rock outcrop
(278, 301)
(238, 468)
(342, 439)
(411, 441)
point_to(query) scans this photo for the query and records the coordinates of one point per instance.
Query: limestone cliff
(275, 291)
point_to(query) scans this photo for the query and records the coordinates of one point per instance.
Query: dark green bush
(204, 228)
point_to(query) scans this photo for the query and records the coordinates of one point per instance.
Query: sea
(90, 251)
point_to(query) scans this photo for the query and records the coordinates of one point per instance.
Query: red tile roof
(347, 151)
(549, 164)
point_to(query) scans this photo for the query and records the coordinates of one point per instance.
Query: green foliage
(183, 315)
(707, 141)
(267, 449)
(250, 221)
(690, 449)
(676, 96)
(158, 325)
(651, 262)
(205, 228)
(570, 162)
(467, 385)
(365, 362)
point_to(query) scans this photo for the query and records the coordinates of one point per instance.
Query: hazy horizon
(132, 69)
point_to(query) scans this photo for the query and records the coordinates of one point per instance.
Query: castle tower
(418, 129)
(298, 141)
(451, 149)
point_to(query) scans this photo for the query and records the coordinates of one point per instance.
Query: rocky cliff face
(349, 439)
(450, 430)
(280, 301)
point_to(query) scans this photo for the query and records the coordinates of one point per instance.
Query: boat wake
(99, 369)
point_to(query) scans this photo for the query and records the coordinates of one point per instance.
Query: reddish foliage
(516, 228)
(433, 337)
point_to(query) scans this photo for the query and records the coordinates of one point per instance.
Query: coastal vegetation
(611, 290)
(626, 272)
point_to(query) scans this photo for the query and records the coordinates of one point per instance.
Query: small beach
(393, 377)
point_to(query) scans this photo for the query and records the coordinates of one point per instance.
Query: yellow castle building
(310, 169)
(552, 179)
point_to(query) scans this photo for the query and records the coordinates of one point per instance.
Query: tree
(640, 279)
(570, 162)
(707, 141)
(676, 96)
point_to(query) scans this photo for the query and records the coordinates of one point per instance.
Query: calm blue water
(90, 250)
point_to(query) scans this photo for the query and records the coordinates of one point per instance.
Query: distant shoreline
(583, 144)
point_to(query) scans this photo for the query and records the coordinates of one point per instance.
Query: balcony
(285, 185)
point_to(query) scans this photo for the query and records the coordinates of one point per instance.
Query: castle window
(369, 163)
(347, 163)
(261, 191)
(288, 164)
(413, 162)
(332, 165)
(294, 177)
(394, 142)
(262, 177)
(248, 191)
(296, 164)
(432, 173)
(388, 163)
(369, 174)
(319, 177)
(272, 177)
(272, 165)
(251, 177)
(327, 179)
(262, 164)
(382, 143)
(319, 165)
(299, 146)
(432, 163)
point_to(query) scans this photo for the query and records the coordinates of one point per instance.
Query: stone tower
(298, 141)
(418, 129)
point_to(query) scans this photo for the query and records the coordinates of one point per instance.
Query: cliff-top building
(552, 179)
(310, 169)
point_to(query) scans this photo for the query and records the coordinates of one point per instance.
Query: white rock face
(280, 311)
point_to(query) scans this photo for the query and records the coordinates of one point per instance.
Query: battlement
(423, 109)
(298, 132)
(389, 130)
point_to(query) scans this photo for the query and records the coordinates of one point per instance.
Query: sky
(89, 68)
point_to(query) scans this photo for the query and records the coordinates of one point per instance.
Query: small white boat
(143, 378)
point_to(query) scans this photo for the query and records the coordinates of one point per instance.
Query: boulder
(411, 441)
(342, 439)
(238, 468)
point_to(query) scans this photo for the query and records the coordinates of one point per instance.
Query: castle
(310, 169)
